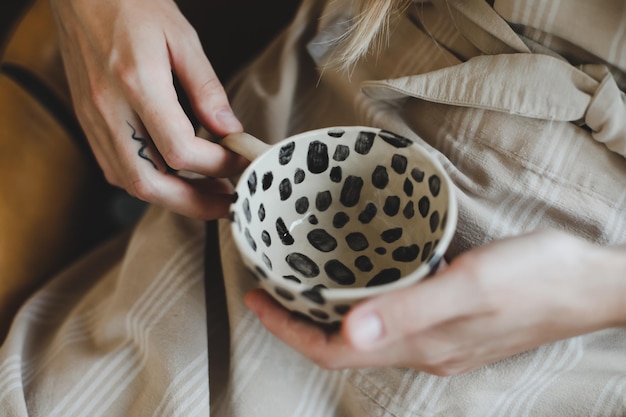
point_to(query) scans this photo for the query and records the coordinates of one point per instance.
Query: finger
(199, 198)
(400, 314)
(154, 98)
(204, 89)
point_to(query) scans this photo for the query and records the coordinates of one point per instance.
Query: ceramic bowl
(329, 217)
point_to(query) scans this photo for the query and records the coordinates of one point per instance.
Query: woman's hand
(489, 304)
(119, 56)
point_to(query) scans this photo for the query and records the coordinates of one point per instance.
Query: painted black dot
(252, 183)
(363, 263)
(434, 221)
(434, 183)
(364, 142)
(267, 239)
(284, 189)
(302, 264)
(260, 272)
(302, 205)
(250, 239)
(417, 174)
(321, 240)
(341, 309)
(351, 191)
(268, 178)
(408, 187)
(261, 212)
(286, 153)
(424, 206)
(385, 276)
(380, 250)
(392, 205)
(267, 261)
(234, 197)
(394, 139)
(246, 210)
(317, 157)
(323, 200)
(380, 178)
(409, 210)
(320, 314)
(341, 153)
(339, 273)
(426, 252)
(405, 253)
(399, 163)
(283, 232)
(320, 287)
(444, 220)
(292, 278)
(314, 295)
(391, 235)
(232, 216)
(336, 133)
(340, 219)
(313, 219)
(285, 294)
(299, 175)
(357, 241)
(368, 213)
(335, 174)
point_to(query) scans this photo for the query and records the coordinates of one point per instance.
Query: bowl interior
(340, 208)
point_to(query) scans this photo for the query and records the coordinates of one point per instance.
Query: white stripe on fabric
(319, 393)
(121, 379)
(532, 216)
(610, 398)
(615, 224)
(558, 358)
(183, 387)
(504, 221)
(251, 343)
(10, 376)
(161, 292)
(420, 392)
(73, 331)
(617, 51)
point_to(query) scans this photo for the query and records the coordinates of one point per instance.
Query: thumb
(393, 316)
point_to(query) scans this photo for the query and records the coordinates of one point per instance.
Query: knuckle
(176, 157)
(141, 189)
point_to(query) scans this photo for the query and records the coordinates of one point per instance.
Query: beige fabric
(123, 333)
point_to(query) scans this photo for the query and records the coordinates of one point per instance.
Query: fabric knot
(606, 113)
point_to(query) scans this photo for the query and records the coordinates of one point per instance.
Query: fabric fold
(530, 85)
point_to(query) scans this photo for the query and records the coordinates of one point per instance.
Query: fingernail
(366, 330)
(228, 120)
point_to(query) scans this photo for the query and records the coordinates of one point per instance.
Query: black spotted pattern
(261, 212)
(380, 177)
(335, 174)
(283, 232)
(357, 241)
(368, 213)
(340, 219)
(252, 183)
(364, 142)
(323, 200)
(284, 189)
(302, 264)
(363, 264)
(267, 180)
(392, 205)
(321, 240)
(385, 276)
(406, 253)
(302, 205)
(399, 163)
(394, 140)
(299, 176)
(339, 273)
(317, 157)
(341, 153)
(286, 153)
(391, 235)
(351, 191)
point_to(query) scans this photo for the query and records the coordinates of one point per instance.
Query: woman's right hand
(120, 57)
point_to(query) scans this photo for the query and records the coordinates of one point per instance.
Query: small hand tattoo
(144, 145)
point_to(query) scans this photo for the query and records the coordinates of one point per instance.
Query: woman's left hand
(488, 304)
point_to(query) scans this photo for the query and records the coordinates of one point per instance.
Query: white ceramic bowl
(329, 217)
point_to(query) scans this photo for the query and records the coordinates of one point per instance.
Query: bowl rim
(338, 294)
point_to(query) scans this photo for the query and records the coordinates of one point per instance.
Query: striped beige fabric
(124, 332)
